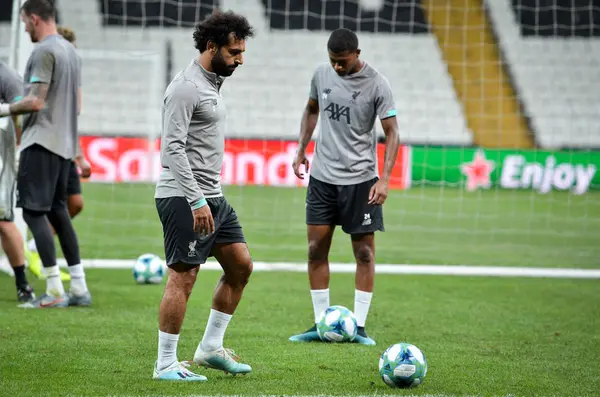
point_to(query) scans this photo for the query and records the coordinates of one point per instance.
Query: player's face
(344, 63)
(229, 57)
(30, 23)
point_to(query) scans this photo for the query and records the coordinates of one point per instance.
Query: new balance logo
(337, 112)
(367, 220)
(326, 92)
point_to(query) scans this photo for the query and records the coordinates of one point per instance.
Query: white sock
(320, 299)
(215, 331)
(31, 245)
(54, 285)
(78, 284)
(167, 349)
(362, 301)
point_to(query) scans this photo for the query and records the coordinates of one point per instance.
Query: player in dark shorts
(74, 193)
(48, 144)
(344, 188)
(11, 90)
(197, 220)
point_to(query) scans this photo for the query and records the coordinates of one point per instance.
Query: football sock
(215, 331)
(54, 285)
(20, 278)
(362, 301)
(78, 284)
(320, 299)
(167, 349)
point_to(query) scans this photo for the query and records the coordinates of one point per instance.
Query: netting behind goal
(497, 106)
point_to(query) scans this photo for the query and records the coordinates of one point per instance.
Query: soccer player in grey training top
(48, 144)
(197, 220)
(74, 196)
(344, 188)
(11, 90)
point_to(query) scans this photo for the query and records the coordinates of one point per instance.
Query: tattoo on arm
(40, 90)
(33, 102)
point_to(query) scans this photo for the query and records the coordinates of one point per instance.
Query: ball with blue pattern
(403, 365)
(149, 269)
(337, 324)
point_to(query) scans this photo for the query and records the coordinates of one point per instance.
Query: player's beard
(32, 34)
(220, 67)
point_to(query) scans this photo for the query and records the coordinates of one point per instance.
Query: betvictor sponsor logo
(518, 173)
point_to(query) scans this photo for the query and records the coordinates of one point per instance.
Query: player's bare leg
(237, 266)
(319, 244)
(12, 244)
(75, 204)
(181, 280)
(363, 246)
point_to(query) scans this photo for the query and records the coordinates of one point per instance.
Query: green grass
(481, 336)
(424, 225)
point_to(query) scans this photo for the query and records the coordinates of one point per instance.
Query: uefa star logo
(478, 171)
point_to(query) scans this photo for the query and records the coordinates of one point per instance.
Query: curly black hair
(45, 9)
(342, 40)
(217, 27)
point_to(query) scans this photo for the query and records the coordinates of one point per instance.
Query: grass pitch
(481, 336)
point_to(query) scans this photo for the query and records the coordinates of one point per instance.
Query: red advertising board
(246, 162)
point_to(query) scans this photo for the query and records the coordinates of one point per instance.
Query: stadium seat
(557, 77)
(265, 98)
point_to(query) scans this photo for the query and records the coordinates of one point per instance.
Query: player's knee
(365, 255)
(182, 277)
(240, 275)
(316, 252)
(75, 204)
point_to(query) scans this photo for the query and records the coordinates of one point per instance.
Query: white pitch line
(494, 271)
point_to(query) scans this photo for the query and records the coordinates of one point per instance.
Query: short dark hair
(217, 27)
(45, 9)
(342, 40)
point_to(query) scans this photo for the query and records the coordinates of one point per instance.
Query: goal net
(497, 107)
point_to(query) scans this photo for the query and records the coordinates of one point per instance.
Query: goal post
(497, 105)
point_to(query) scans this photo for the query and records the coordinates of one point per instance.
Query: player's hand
(299, 160)
(85, 167)
(203, 221)
(378, 193)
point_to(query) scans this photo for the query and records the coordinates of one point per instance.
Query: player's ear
(212, 47)
(357, 52)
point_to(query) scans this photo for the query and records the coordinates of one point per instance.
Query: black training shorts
(182, 243)
(42, 179)
(345, 205)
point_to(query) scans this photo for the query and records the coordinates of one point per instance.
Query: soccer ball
(337, 324)
(149, 269)
(402, 365)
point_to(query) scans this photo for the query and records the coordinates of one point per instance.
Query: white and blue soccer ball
(403, 365)
(149, 269)
(337, 324)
